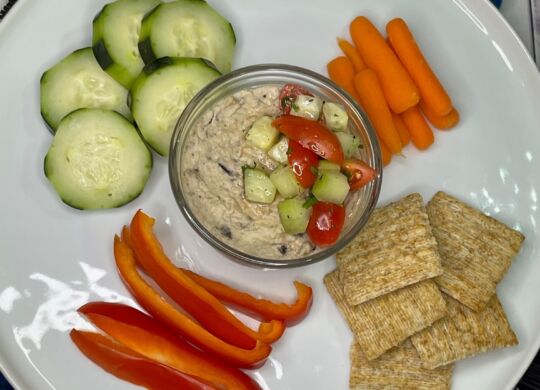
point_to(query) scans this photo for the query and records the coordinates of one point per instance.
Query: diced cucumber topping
(349, 143)
(278, 152)
(258, 187)
(116, 35)
(331, 187)
(78, 81)
(187, 28)
(97, 160)
(307, 106)
(162, 91)
(335, 116)
(285, 182)
(262, 134)
(325, 165)
(293, 216)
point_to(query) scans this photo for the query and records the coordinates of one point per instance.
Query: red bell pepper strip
(260, 308)
(147, 337)
(198, 302)
(311, 135)
(132, 367)
(178, 321)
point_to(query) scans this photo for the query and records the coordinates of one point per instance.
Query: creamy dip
(212, 161)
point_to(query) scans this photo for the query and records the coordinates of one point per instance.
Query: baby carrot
(341, 71)
(440, 122)
(404, 135)
(372, 100)
(421, 133)
(385, 154)
(352, 54)
(398, 87)
(431, 90)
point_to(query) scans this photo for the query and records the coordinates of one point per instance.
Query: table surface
(518, 15)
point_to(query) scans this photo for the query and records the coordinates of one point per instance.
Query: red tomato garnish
(302, 161)
(311, 135)
(287, 95)
(359, 173)
(325, 223)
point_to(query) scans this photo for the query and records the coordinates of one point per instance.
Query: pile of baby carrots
(394, 84)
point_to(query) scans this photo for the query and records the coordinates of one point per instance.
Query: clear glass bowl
(359, 206)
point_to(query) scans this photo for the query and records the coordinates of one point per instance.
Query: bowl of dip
(210, 152)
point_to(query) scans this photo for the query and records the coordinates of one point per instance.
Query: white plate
(55, 258)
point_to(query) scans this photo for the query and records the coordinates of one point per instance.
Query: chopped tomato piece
(303, 163)
(325, 223)
(288, 94)
(358, 172)
(311, 135)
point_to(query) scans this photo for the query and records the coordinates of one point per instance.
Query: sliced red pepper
(312, 135)
(303, 163)
(178, 321)
(288, 94)
(358, 172)
(260, 308)
(198, 302)
(325, 223)
(132, 367)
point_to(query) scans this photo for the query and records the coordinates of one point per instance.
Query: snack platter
(57, 258)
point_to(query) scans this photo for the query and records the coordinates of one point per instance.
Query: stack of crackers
(417, 288)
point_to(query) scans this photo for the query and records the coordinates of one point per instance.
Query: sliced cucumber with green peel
(115, 38)
(293, 216)
(349, 143)
(97, 160)
(278, 152)
(285, 182)
(325, 165)
(162, 91)
(335, 116)
(331, 187)
(262, 134)
(78, 81)
(258, 187)
(187, 28)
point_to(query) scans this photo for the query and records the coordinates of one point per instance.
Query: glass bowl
(359, 205)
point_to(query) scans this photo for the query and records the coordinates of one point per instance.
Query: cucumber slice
(335, 116)
(187, 28)
(278, 152)
(349, 143)
(285, 182)
(325, 165)
(162, 91)
(307, 107)
(293, 216)
(331, 187)
(262, 134)
(258, 187)
(116, 35)
(78, 81)
(97, 160)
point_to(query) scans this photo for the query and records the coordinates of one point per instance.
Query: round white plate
(54, 258)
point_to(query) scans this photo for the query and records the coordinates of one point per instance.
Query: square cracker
(384, 322)
(464, 333)
(476, 250)
(400, 368)
(394, 250)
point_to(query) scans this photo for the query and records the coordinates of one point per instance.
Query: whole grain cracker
(464, 333)
(384, 322)
(399, 368)
(394, 250)
(476, 250)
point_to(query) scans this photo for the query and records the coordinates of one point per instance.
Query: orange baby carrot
(352, 54)
(398, 87)
(372, 100)
(431, 90)
(421, 133)
(404, 135)
(440, 122)
(341, 71)
(386, 156)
